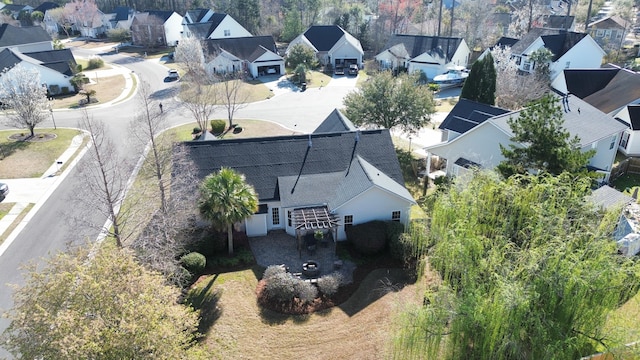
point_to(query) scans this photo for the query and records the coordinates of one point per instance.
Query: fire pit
(311, 268)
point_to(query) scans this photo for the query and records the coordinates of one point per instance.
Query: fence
(630, 165)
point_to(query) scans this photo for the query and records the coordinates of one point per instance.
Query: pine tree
(480, 86)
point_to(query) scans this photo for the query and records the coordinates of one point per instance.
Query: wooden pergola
(311, 219)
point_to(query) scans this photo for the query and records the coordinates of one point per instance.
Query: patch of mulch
(297, 307)
(38, 137)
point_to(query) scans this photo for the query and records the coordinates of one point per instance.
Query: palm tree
(225, 198)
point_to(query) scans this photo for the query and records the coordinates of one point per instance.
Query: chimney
(357, 136)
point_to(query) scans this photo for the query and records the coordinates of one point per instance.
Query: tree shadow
(373, 287)
(165, 93)
(8, 148)
(206, 301)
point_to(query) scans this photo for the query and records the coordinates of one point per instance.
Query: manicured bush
(196, 130)
(237, 129)
(194, 262)
(368, 238)
(280, 287)
(329, 284)
(273, 270)
(95, 63)
(394, 231)
(218, 126)
(305, 291)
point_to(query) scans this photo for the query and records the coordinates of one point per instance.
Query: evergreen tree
(480, 86)
(541, 142)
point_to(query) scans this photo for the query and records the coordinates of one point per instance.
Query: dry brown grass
(15, 222)
(107, 89)
(360, 328)
(31, 159)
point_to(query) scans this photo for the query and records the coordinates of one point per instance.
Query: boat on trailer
(455, 76)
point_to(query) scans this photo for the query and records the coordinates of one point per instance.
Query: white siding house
(332, 45)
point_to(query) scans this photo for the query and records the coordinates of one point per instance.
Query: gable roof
(610, 22)
(607, 89)
(47, 5)
(243, 47)
(122, 13)
(8, 59)
(530, 37)
(163, 15)
(634, 116)
(580, 119)
(196, 15)
(12, 35)
(337, 187)
(505, 42)
(559, 21)
(15, 7)
(559, 44)
(467, 114)
(335, 122)
(324, 37)
(264, 160)
(606, 198)
(59, 60)
(415, 45)
(202, 30)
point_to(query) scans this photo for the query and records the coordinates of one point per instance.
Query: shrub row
(281, 286)
(373, 237)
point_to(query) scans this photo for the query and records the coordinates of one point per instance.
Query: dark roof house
(335, 122)
(16, 36)
(243, 47)
(467, 114)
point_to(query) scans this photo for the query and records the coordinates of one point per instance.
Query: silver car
(4, 191)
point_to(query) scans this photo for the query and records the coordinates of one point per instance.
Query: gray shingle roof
(13, 36)
(581, 120)
(530, 37)
(467, 114)
(335, 122)
(242, 48)
(324, 37)
(47, 5)
(416, 45)
(264, 160)
(559, 44)
(607, 89)
(8, 59)
(607, 198)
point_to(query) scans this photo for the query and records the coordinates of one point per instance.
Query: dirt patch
(38, 137)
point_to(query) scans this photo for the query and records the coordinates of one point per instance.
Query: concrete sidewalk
(27, 191)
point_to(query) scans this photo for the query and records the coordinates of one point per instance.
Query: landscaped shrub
(273, 270)
(218, 126)
(95, 63)
(329, 284)
(280, 287)
(394, 231)
(305, 291)
(54, 89)
(65, 90)
(368, 238)
(194, 262)
(237, 129)
(196, 130)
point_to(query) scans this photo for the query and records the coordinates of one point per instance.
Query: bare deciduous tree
(148, 30)
(190, 54)
(513, 89)
(21, 91)
(200, 97)
(104, 176)
(84, 14)
(166, 235)
(234, 95)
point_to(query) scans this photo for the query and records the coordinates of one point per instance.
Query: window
(599, 33)
(613, 143)
(567, 64)
(289, 221)
(395, 216)
(526, 66)
(607, 34)
(624, 140)
(348, 221)
(275, 216)
(227, 33)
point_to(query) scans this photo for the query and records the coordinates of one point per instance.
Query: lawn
(627, 183)
(107, 89)
(250, 91)
(25, 159)
(360, 328)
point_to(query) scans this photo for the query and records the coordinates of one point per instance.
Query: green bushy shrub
(218, 126)
(273, 270)
(329, 284)
(196, 130)
(194, 262)
(368, 238)
(95, 63)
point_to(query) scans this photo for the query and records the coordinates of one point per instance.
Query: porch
(277, 248)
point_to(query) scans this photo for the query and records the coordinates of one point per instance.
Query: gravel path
(279, 247)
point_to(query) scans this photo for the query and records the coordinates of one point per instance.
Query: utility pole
(453, 6)
(586, 22)
(440, 17)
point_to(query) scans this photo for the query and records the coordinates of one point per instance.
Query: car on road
(173, 75)
(4, 191)
(353, 69)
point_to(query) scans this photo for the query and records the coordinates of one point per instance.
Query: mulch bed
(38, 137)
(297, 307)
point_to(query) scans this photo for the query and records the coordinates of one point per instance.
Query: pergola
(313, 219)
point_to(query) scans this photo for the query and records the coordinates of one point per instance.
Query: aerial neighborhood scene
(254, 179)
